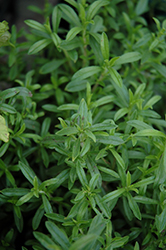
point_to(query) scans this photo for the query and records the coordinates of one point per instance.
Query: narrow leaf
(134, 207)
(114, 194)
(58, 235)
(73, 32)
(128, 58)
(118, 158)
(46, 241)
(86, 72)
(104, 46)
(38, 46)
(67, 131)
(116, 77)
(94, 7)
(4, 135)
(150, 132)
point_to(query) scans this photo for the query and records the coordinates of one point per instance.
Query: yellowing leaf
(4, 135)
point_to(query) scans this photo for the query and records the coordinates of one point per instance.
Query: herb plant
(83, 152)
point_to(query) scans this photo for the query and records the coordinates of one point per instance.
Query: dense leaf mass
(82, 128)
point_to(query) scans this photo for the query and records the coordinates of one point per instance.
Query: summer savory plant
(83, 152)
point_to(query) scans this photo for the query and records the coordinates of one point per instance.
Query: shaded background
(16, 11)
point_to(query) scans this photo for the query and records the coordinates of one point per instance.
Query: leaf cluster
(83, 143)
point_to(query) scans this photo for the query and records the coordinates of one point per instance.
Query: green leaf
(15, 191)
(58, 235)
(136, 247)
(128, 179)
(152, 101)
(86, 147)
(103, 100)
(56, 18)
(134, 207)
(56, 39)
(154, 44)
(150, 132)
(46, 241)
(139, 124)
(101, 154)
(73, 32)
(45, 156)
(144, 182)
(109, 171)
(120, 113)
(55, 182)
(81, 173)
(8, 93)
(110, 140)
(160, 68)
(51, 66)
(69, 14)
(161, 220)
(4, 135)
(145, 200)
(161, 170)
(103, 206)
(47, 205)
(68, 106)
(104, 46)
(70, 45)
(55, 216)
(27, 172)
(94, 7)
(105, 125)
(115, 76)
(128, 58)
(21, 130)
(97, 225)
(45, 126)
(38, 46)
(114, 194)
(76, 85)
(93, 181)
(127, 209)
(36, 25)
(37, 217)
(86, 72)
(119, 241)
(24, 199)
(50, 107)
(18, 218)
(118, 158)
(141, 7)
(83, 242)
(76, 149)
(7, 108)
(4, 148)
(68, 131)
(90, 135)
(83, 109)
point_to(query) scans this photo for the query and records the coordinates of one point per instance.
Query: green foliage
(83, 143)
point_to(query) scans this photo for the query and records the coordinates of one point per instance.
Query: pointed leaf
(104, 46)
(128, 58)
(46, 241)
(86, 72)
(70, 14)
(116, 77)
(114, 194)
(38, 46)
(4, 135)
(94, 7)
(118, 158)
(134, 207)
(58, 235)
